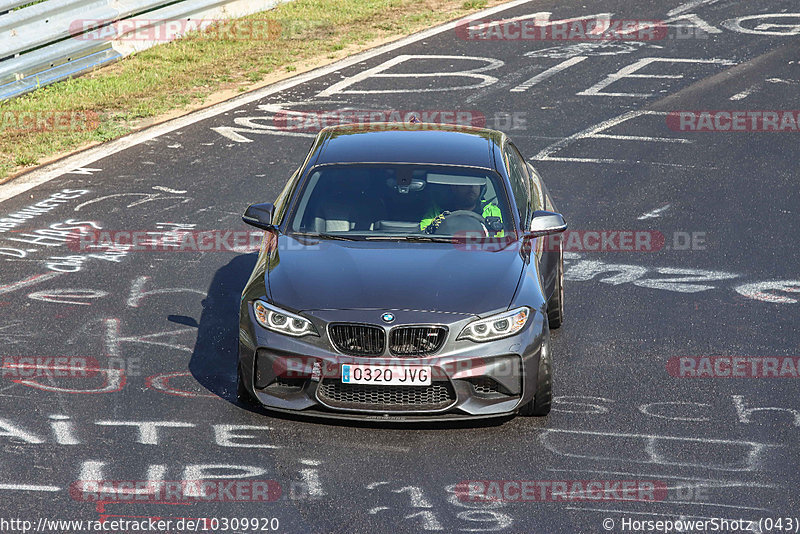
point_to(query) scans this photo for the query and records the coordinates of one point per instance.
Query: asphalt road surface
(598, 119)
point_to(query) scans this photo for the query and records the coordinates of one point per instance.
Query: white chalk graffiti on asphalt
(766, 28)
(598, 48)
(264, 124)
(72, 296)
(113, 379)
(54, 235)
(168, 190)
(146, 197)
(138, 293)
(84, 170)
(596, 132)
(630, 72)
(27, 282)
(424, 514)
(162, 382)
(114, 341)
(74, 263)
(15, 333)
(714, 454)
(476, 73)
(57, 235)
(680, 280)
(679, 411)
(766, 291)
(33, 211)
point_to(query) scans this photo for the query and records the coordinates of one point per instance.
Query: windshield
(401, 201)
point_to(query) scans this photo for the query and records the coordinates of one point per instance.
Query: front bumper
(469, 379)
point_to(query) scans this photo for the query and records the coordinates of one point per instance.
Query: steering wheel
(462, 221)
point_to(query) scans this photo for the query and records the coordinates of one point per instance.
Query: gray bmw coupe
(408, 271)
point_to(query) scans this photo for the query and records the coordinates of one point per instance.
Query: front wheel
(540, 404)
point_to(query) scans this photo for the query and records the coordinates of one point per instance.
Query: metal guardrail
(58, 39)
(8, 5)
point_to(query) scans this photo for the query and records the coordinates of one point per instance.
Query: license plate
(386, 375)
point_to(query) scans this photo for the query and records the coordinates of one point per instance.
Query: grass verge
(204, 68)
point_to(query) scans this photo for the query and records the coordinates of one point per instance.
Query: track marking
(250, 125)
(764, 28)
(68, 296)
(83, 170)
(63, 430)
(138, 293)
(599, 48)
(762, 291)
(629, 70)
(147, 430)
(646, 139)
(28, 487)
(653, 214)
(595, 132)
(148, 197)
(313, 484)
(30, 281)
(689, 6)
(168, 190)
(416, 495)
(747, 92)
(549, 73)
(728, 483)
(378, 72)
(161, 383)
(649, 453)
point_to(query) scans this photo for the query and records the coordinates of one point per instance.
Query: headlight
(278, 320)
(497, 326)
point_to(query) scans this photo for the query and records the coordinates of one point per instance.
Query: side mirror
(260, 216)
(546, 223)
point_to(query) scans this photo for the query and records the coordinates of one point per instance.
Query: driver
(460, 197)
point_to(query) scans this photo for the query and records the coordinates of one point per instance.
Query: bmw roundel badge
(387, 317)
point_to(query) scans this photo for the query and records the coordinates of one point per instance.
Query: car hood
(319, 275)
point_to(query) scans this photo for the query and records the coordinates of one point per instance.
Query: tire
(555, 306)
(242, 394)
(539, 406)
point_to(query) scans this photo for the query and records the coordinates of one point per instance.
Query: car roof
(440, 144)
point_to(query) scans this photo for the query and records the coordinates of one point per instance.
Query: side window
(518, 175)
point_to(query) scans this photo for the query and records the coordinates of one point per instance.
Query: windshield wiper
(411, 238)
(323, 235)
